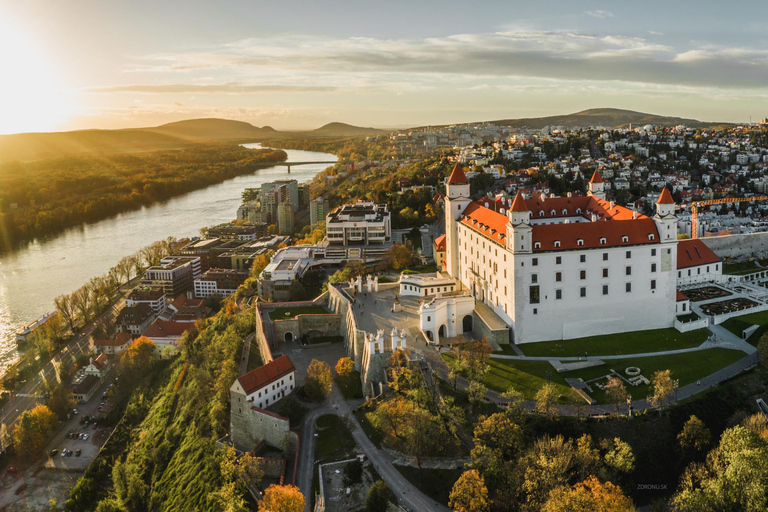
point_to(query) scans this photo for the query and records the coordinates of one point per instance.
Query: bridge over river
(291, 164)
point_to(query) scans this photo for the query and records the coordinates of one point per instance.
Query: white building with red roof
(697, 263)
(563, 267)
(265, 385)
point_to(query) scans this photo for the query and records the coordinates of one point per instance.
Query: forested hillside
(45, 197)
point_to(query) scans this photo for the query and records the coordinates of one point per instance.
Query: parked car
(64, 452)
(80, 436)
(12, 469)
(78, 452)
(74, 411)
(94, 425)
(69, 453)
(54, 452)
(85, 437)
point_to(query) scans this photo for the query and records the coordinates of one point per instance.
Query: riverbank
(31, 277)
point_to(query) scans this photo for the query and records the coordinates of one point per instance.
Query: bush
(353, 472)
(378, 497)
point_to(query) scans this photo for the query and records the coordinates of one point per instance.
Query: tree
(546, 398)
(260, 263)
(477, 392)
(619, 455)
(353, 472)
(469, 493)
(378, 497)
(319, 381)
(455, 369)
(616, 392)
(398, 257)
(32, 430)
(662, 387)
(695, 437)
(81, 300)
(282, 498)
(66, 309)
(344, 367)
(591, 494)
(137, 360)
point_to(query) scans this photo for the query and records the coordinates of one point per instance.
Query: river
(33, 276)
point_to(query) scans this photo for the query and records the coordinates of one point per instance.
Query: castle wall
(738, 246)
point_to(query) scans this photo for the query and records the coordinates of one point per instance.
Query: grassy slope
(637, 342)
(738, 324)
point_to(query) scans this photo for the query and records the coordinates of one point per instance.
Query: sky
(298, 65)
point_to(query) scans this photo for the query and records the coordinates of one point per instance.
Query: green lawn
(333, 441)
(351, 387)
(288, 313)
(636, 342)
(529, 376)
(745, 267)
(737, 325)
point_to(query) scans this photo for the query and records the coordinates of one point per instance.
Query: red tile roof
(611, 223)
(457, 176)
(681, 296)
(665, 197)
(596, 178)
(440, 243)
(518, 205)
(121, 339)
(167, 328)
(694, 252)
(266, 374)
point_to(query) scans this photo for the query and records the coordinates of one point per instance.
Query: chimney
(543, 197)
(634, 215)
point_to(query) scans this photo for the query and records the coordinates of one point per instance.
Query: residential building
(100, 367)
(84, 387)
(318, 209)
(265, 385)
(135, 319)
(153, 296)
(166, 334)
(285, 218)
(361, 223)
(120, 343)
(174, 274)
(219, 282)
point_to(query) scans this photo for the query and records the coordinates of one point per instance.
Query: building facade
(265, 385)
(318, 209)
(362, 223)
(563, 267)
(219, 282)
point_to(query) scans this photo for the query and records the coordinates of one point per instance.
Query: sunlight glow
(31, 98)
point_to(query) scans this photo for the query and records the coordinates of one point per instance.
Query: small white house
(267, 384)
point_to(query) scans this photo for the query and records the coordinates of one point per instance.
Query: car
(12, 469)
(69, 453)
(100, 408)
(64, 452)
(80, 436)
(85, 437)
(54, 452)
(74, 411)
(94, 425)
(86, 423)
(78, 452)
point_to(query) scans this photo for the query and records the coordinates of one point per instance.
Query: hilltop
(606, 117)
(27, 147)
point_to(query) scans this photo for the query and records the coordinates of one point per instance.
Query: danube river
(31, 277)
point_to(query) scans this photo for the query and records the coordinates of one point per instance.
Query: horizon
(85, 66)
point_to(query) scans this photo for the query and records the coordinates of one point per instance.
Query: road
(27, 396)
(407, 494)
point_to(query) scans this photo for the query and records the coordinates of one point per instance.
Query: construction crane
(695, 205)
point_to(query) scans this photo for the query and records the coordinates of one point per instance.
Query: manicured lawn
(351, 387)
(529, 376)
(506, 350)
(288, 313)
(435, 483)
(636, 342)
(738, 324)
(745, 267)
(333, 441)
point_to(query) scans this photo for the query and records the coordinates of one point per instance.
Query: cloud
(599, 14)
(225, 88)
(366, 64)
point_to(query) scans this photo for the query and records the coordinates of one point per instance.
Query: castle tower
(519, 230)
(665, 218)
(456, 200)
(597, 186)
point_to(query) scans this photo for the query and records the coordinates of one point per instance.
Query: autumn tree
(497, 444)
(344, 367)
(137, 360)
(662, 388)
(260, 263)
(591, 494)
(319, 382)
(378, 496)
(398, 257)
(282, 498)
(695, 437)
(469, 493)
(81, 300)
(546, 399)
(616, 392)
(66, 309)
(32, 430)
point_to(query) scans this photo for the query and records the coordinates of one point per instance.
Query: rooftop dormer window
(579, 242)
(651, 236)
(565, 212)
(602, 241)
(553, 212)
(578, 211)
(557, 243)
(625, 239)
(537, 245)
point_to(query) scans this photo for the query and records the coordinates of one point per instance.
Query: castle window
(553, 212)
(653, 267)
(583, 258)
(535, 262)
(578, 211)
(558, 294)
(557, 243)
(605, 256)
(558, 260)
(582, 274)
(653, 252)
(629, 254)
(602, 241)
(583, 291)
(558, 276)
(534, 278)
(537, 245)
(653, 284)
(579, 242)
(629, 271)
(605, 272)
(651, 236)
(605, 289)
(533, 292)
(629, 287)
(565, 212)
(541, 213)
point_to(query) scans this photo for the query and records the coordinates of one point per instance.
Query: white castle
(563, 267)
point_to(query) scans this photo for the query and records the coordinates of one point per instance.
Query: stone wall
(261, 337)
(310, 326)
(273, 467)
(341, 303)
(738, 246)
(496, 337)
(250, 425)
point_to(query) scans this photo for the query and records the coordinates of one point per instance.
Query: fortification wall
(738, 246)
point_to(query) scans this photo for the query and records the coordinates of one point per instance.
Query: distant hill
(343, 129)
(181, 134)
(607, 117)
